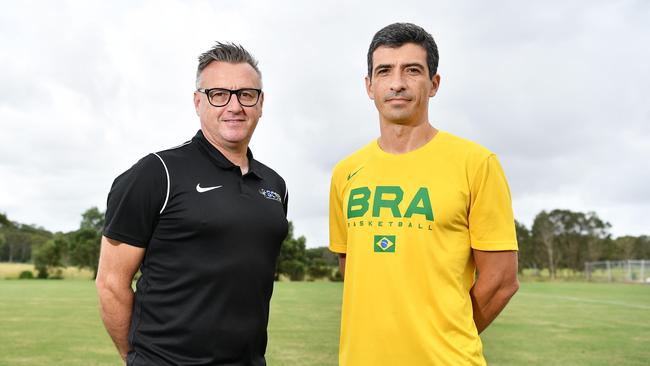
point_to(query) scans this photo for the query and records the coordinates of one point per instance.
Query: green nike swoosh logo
(354, 173)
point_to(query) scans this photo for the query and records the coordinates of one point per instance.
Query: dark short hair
(226, 52)
(397, 34)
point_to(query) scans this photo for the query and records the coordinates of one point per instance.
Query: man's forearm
(488, 299)
(116, 308)
(342, 265)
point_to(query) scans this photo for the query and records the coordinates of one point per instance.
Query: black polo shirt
(212, 237)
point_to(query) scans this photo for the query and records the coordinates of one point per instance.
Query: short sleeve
(338, 229)
(135, 201)
(491, 220)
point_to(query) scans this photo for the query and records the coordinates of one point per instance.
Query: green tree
(49, 257)
(4, 221)
(318, 268)
(292, 258)
(632, 247)
(20, 240)
(85, 242)
(609, 250)
(544, 231)
(568, 239)
(596, 234)
(321, 262)
(643, 247)
(529, 255)
(581, 236)
(626, 246)
(92, 219)
(3, 245)
(331, 259)
(84, 249)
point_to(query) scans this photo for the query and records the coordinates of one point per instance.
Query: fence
(619, 271)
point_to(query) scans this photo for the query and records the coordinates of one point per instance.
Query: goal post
(631, 271)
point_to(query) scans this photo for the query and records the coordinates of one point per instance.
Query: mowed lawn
(572, 324)
(56, 322)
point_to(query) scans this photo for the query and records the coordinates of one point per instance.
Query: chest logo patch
(270, 195)
(384, 244)
(205, 189)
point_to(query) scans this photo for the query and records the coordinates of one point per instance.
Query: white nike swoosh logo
(205, 189)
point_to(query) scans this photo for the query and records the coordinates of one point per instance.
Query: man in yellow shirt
(414, 215)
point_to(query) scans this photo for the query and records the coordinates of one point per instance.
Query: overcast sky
(559, 90)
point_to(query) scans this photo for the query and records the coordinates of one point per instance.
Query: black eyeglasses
(219, 97)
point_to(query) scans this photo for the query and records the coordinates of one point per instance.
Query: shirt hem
(338, 248)
(495, 246)
(124, 239)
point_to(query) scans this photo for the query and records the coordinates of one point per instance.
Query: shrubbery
(26, 275)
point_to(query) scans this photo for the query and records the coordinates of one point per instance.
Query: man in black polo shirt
(203, 222)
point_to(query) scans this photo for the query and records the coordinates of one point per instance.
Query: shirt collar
(218, 158)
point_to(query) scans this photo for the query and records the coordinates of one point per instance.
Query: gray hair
(397, 34)
(226, 52)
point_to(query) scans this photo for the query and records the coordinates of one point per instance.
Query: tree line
(557, 240)
(51, 252)
(565, 239)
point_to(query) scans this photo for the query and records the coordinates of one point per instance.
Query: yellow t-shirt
(408, 224)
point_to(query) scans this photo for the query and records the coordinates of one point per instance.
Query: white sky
(558, 89)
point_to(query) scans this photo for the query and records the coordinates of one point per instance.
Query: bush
(336, 277)
(57, 274)
(319, 269)
(26, 275)
(42, 272)
(294, 269)
(48, 258)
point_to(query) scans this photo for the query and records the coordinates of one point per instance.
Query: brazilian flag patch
(384, 244)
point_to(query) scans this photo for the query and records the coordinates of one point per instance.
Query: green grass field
(49, 322)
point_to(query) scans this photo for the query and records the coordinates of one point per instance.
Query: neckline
(221, 160)
(428, 145)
